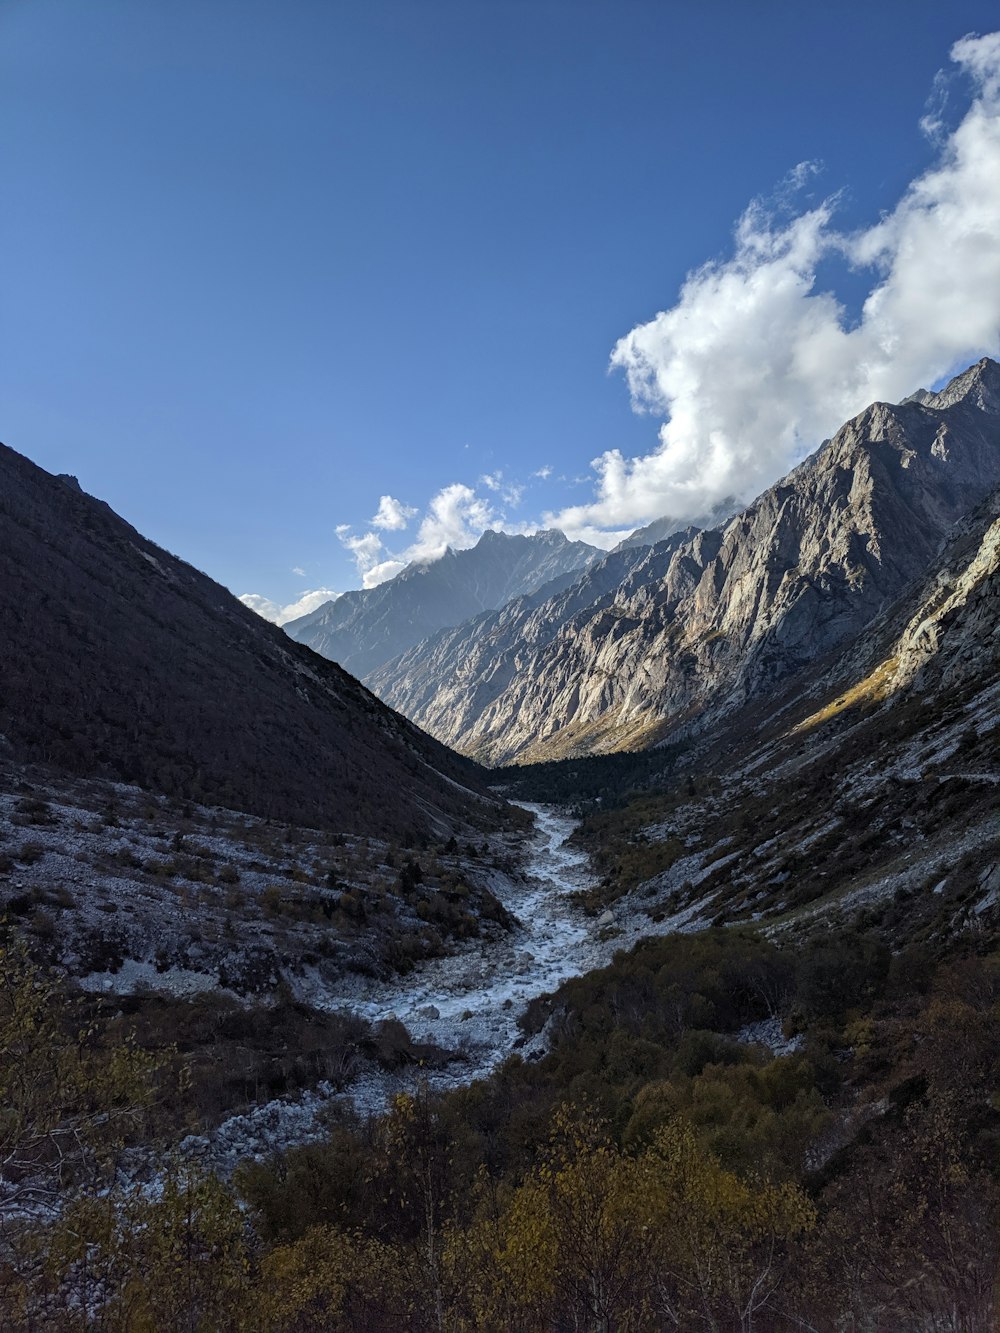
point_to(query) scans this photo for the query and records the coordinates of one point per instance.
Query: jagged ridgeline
(118, 660)
(657, 641)
(367, 626)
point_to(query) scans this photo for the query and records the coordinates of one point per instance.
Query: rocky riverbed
(468, 1003)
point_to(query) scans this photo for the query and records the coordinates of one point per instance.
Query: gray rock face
(678, 634)
(953, 631)
(366, 627)
(461, 675)
(939, 640)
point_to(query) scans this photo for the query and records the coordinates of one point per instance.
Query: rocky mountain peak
(978, 387)
(694, 626)
(366, 627)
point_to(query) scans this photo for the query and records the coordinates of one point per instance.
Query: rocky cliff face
(686, 631)
(955, 631)
(862, 795)
(459, 675)
(365, 627)
(119, 661)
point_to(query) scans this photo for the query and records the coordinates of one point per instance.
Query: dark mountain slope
(118, 660)
(366, 627)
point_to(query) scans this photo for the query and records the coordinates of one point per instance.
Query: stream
(471, 1001)
(468, 1002)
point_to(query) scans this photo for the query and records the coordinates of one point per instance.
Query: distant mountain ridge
(120, 661)
(680, 633)
(366, 627)
(662, 528)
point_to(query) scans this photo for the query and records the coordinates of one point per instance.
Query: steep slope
(868, 786)
(366, 627)
(940, 635)
(696, 628)
(118, 660)
(449, 680)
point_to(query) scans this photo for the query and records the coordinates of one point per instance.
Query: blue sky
(266, 263)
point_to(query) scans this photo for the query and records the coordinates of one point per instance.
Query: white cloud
(281, 615)
(262, 605)
(392, 514)
(382, 572)
(512, 493)
(753, 365)
(932, 122)
(366, 547)
(543, 472)
(456, 517)
(980, 57)
(300, 572)
(605, 538)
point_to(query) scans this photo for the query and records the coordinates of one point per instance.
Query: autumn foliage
(651, 1173)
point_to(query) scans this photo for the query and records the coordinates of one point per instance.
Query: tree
(131, 1262)
(67, 1100)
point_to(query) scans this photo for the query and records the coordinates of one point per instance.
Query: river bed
(468, 1003)
(471, 1000)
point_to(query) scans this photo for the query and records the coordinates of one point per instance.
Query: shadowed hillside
(118, 660)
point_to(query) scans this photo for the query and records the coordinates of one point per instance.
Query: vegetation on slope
(656, 1170)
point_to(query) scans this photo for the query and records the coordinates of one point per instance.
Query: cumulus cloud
(281, 615)
(456, 516)
(366, 548)
(753, 366)
(392, 514)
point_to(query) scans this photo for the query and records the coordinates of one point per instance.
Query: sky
(306, 290)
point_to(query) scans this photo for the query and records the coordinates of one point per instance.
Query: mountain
(120, 661)
(662, 528)
(861, 794)
(455, 678)
(706, 621)
(365, 627)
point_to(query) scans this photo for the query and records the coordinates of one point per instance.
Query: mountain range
(653, 642)
(777, 924)
(365, 627)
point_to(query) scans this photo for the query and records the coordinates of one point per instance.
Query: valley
(281, 969)
(465, 1007)
(658, 642)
